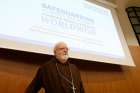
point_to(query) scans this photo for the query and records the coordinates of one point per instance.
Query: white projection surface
(92, 32)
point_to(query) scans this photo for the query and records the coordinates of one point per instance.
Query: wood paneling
(18, 68)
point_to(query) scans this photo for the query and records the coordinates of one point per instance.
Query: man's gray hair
(58, 44)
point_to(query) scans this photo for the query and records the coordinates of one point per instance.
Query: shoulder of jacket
(48, 63)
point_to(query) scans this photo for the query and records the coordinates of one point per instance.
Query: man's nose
(65, 50)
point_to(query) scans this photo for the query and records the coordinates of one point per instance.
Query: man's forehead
(61, 45)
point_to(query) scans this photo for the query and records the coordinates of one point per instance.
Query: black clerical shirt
(48, 76)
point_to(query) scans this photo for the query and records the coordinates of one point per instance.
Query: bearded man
(58, 75)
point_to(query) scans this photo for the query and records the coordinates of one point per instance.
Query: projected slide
(87, 28)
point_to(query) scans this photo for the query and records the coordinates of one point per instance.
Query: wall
(18, 68)
(133, 3)
(105, 78)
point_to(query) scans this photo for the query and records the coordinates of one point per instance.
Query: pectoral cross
(73, 89)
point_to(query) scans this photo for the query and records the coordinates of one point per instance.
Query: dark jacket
(47, 77)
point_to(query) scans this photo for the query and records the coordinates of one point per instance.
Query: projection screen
(91, 30)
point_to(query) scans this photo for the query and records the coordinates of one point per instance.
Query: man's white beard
(63, 58)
